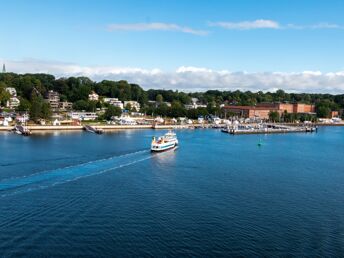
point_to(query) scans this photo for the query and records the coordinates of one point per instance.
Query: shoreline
(104, 127)
(130, 127)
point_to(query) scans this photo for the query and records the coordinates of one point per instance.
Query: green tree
(112, 111)
(36, 107)
(128, 107)
(45, 111)
(4, 94)
(274, 116)
(323, 111)
(24, 105)
(80, 105)
(159, 98)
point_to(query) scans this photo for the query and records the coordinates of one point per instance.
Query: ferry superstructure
(164, 143)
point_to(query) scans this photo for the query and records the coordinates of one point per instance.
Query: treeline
(32, 88)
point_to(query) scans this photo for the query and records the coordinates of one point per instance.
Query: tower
(3, 68)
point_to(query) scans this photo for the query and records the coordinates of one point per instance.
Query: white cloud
(154, 26)
(326, 25)
(270, 24)
(247, 25)
(192, 78)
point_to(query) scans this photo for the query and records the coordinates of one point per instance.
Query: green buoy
(260, 143)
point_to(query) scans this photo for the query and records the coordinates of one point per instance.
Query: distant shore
(125, 127)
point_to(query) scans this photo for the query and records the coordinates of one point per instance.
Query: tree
(274, 116)
(80, 105)
(112, 111)
(159, 99)
(128, 107)
(323, 111)
(36, 107)
(45, 111)
(4, 94)
(24, 105)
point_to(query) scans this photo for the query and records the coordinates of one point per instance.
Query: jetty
(268, 129)
(93, 129)
(22, 130)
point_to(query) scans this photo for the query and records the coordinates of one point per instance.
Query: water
(80, 194)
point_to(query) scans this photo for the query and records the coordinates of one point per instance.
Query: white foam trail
(43, 180)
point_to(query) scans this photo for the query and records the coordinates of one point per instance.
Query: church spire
(3, 68)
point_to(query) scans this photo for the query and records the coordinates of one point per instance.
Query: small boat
(22, 130)
(164, 143)
(93, 129)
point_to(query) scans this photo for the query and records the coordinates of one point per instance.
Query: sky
(295, 45)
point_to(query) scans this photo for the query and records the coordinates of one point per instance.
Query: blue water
(80, 194)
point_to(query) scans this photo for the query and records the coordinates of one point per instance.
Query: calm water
(80, 194)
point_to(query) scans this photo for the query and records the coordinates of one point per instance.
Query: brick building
(262, 110)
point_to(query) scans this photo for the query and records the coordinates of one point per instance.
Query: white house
(125, 120)
(93, 96)
(85, 116)
(114, 102)
(194, 104)
(13, 102)
(12, 91)
(133, 104)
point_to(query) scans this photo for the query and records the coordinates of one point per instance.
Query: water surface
(80, 194)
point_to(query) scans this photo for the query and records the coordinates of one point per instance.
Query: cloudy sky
(180, 44)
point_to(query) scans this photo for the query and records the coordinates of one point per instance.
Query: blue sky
(247, 36)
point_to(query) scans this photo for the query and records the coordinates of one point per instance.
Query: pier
(269, 129)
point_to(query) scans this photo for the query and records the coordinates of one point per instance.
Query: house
(194, 104)
(53, 98)
(133, 104)
(13, 102)
(12, 91)
(114, 102)
(84, 116)
(65, 105)
(93, 96)
(334, 114)
(22, 118)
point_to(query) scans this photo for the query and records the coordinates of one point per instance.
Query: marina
(267, 129)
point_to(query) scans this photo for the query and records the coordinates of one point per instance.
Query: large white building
(114, 102)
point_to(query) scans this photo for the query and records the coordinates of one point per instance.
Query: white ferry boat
(163, 143)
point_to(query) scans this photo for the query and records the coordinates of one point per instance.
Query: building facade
(13, 102)
(53, 99)
(114, 102)
(262, 110)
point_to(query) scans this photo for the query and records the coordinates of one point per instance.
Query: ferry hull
(164, 149)
(161, 148)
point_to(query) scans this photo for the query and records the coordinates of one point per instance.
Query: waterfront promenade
(125, 127)
(104, 127)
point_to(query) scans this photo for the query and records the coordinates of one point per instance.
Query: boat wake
(51, 178)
